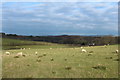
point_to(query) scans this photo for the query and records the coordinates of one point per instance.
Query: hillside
(68, 39)
(17, 44)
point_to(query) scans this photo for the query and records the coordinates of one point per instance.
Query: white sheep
(19, 54)
(117, 51)
(23, 48)
(83, 50)
(7, 53)
(105, 46)
(36, 53)
(50, 48)
(81, 47)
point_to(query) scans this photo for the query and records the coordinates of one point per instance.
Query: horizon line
(61, 34)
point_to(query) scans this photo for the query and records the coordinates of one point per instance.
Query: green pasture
(61, 61)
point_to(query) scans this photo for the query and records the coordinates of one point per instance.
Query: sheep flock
(64, 59)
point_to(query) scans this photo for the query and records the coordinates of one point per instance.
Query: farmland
(59, 61)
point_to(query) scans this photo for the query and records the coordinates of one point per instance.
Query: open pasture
(61, 62)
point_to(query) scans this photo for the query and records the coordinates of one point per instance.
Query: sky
(60, 18)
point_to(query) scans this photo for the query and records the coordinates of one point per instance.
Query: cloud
(60, 17)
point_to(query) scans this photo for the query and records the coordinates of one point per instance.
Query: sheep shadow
(116, 59)
(99, 67)
(109, 58)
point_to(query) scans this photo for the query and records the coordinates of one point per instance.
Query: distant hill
(14, 42)
(18, 44)
(67, 39)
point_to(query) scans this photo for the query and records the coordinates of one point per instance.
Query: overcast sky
(59, 18)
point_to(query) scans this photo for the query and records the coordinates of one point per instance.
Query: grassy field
(61, 61)
(18, 44)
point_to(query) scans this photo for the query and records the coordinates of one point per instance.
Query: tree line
(69, 39)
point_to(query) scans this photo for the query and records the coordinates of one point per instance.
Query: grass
(61, 61)
(17, 44)
(80, 65)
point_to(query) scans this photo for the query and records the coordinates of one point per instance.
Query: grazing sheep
(19, 54)
(117, 51)
(23, 48)
(105, 46)
(36, 53)
(28, 48)
(81, 47)
(83, 50)
(50, 48)
(7, 53)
